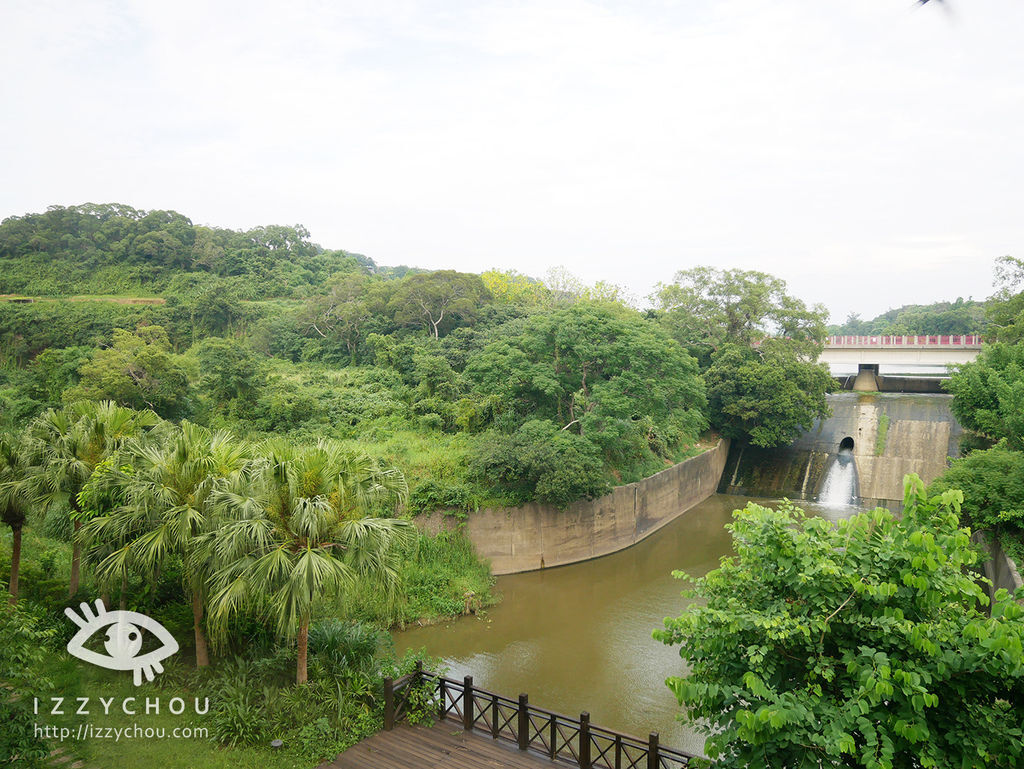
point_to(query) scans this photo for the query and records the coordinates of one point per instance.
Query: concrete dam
(861, 452)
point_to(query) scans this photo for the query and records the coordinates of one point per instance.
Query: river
(578, 637)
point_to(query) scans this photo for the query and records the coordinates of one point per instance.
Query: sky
(869, 152)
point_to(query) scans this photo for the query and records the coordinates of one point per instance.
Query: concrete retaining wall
(999, 568)
(537, 536)
(918, 433)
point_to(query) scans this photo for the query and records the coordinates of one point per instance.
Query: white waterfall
(840, 487)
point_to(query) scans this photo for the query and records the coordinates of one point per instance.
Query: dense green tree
(138, 371)
(438, 301)
(64, 448)
(353, 306)
(705, 308)
(861, 644)
(202, 305)
(300, 530)
(229, 369)
(988, 394)
(53, 371)
(767, 395)
(1006, 308)
(992, 482)
(595, 370)
(540, 462)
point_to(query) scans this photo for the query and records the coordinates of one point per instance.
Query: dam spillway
(887, 436)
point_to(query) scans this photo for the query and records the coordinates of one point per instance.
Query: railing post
(467, 703)
(554, 736)
(652, 751)
(389, 704)
(584, 740)
(523, 727)
(442, 704)
(494, 716)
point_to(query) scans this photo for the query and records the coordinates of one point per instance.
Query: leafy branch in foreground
(856, 645)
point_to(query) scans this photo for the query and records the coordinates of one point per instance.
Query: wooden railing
(561, 738)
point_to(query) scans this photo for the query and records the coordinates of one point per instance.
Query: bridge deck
(442, 746)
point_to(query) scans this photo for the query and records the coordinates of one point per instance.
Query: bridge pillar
(867, 378)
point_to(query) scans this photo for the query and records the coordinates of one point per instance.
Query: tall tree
(65, 446)
(988, 394)
(13, 502)
(167, 506)
(438, 301)
(705, 308)
(138, 371)
(353, 300)
(1006, 308)
(299, 531)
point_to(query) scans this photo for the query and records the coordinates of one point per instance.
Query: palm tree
(165, 508)
(13, 504)
(299, 530)
(65, 446)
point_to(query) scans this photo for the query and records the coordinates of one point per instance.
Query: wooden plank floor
(442, 746)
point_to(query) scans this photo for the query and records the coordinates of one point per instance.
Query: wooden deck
(445, 745)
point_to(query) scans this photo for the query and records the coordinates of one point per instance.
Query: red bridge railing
(567, 740)
(934, 340)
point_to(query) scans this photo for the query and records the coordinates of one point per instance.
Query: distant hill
(116, 249)
(959, 317)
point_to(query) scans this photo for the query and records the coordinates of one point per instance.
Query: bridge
(930, 354)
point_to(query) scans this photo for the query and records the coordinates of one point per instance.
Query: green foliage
(138, 371)
(228, 370)
(705, 308)
(92, 249)
(1006, 308)
(26, 330)
(767, 396)
(23, 641)
(857, 644)
(444, 578)
(882, 437)
(595, 372)
(992, 482)
(541, 462)
(988, 394)
(438, 301)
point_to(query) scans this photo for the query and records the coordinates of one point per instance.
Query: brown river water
(578, 637)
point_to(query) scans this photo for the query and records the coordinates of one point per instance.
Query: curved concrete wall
(537, 536)
(893, 434)
(999, 567)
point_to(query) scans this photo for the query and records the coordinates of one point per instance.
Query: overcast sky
(870, 152)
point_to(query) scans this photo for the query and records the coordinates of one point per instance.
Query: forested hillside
(116, 249)
(959, 317)
(482, 388)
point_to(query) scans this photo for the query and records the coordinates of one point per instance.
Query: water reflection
(579, 637)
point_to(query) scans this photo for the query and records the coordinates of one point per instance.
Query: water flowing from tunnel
(840, 486)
